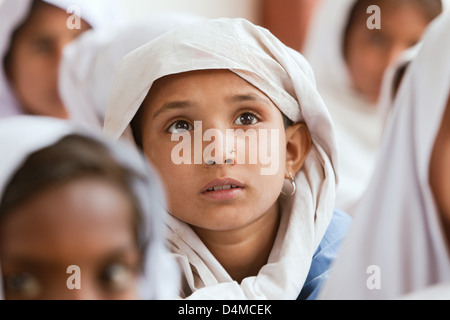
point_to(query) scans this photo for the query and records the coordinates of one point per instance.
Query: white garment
(89, 63)
(98, 13)
(21, 136)
(397, 227)
(438, 292)
(255, 55)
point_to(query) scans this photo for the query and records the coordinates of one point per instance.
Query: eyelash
(241, 113)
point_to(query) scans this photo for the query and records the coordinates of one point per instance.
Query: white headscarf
(255, 55)
(89, 63)
(397, 227)
(98, 13)
(21, 136)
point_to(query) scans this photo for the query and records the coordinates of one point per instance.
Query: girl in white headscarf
(80, 218)
(239, 229)
(89, 63)
(32, 38)
(349, 56)
(399, 242)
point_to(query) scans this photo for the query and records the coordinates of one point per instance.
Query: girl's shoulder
(337, 229)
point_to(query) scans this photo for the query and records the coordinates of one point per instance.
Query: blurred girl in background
(32, 38)
(349, 60)
(70, 199)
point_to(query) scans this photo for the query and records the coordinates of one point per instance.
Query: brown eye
(23, 285)
(180, 127)
(246, 119)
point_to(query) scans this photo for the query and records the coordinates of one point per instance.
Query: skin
(33, 60)
(368, 53)
(88, 223)
(440, 172)
(239, 231)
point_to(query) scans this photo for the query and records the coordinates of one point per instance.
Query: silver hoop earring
(293, 184)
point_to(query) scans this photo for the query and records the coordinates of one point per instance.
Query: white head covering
(397, 226)
(255, 55)
(23, 135)
(98, 13)
(89, 63)
(359, 125)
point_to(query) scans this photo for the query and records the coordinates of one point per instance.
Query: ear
(298, 146)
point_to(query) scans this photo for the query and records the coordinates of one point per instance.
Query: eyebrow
(26, 262)
(184, 104)
(247, 97)
(41, 262)
(173, 105)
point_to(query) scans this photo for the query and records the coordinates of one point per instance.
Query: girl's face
(87, 223)
(33, 60)
(222, 101)
(440, 171)
(369, 52)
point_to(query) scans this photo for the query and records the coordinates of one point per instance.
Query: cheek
(364, 63)
(174, 177)
(35, 85)
(31, 68)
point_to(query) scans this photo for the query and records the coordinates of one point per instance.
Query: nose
(222, 147)
(230, 159)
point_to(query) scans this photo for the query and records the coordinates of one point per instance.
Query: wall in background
(249, 9)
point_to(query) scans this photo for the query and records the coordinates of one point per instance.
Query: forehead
(50, 19)
(81, 214)
(215, 80)
(203, 86)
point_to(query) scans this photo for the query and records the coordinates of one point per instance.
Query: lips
(221, 188)
(221, 185)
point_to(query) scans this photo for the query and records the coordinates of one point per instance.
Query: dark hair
(71, 158)
(398, 78)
